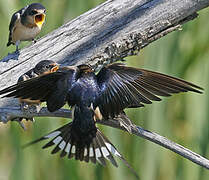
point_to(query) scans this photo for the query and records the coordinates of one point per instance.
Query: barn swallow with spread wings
(94, 97)
(43, 67)
(26, 24)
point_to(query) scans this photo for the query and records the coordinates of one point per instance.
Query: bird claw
(30, 108)
(26, 109)
(17, 51)
(24, 106)
(19, 120)
(34, 41)
(30, 119)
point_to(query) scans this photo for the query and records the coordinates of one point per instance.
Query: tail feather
(86, 155)
(98, 152)
(91, 154)
(10, 39)
(99, 149)
(106, 151)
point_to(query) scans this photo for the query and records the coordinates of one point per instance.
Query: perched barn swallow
(43, 67)
(94, 97)
(26, 24)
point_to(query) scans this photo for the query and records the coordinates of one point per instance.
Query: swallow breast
(24, 33)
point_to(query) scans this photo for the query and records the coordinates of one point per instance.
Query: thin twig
(11, 112)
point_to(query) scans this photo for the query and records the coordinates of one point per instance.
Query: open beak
(39, 19)
(55, 68)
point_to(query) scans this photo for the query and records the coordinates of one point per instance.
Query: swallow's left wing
(123, 87)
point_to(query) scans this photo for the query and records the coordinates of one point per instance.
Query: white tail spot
(85, 152)
(91, 153)
(67, 149)
(62, 145)
(53, 134)
(112, 149)
(105, 151)
(57, 140)
(98, 153)
(73, 149)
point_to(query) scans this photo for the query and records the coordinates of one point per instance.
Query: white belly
(23, 33)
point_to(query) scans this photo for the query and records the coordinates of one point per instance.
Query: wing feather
(122, 87)
(51, 88)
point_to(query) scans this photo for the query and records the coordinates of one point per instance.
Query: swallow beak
(39, 19)
(55, 67)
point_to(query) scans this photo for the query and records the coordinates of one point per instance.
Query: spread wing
(122, 87)
(51, 88)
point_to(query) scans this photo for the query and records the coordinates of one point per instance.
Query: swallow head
(36, 14)
(46, 67)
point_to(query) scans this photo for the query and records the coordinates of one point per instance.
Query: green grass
(183, 118)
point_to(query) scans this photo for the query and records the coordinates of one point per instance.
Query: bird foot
(24, 106)
(17, 51)
(30, 108)
(19, 120)
(34, 41)
(27, 109)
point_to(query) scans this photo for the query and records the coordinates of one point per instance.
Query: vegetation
(183, 118)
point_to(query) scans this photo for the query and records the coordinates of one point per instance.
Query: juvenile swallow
(94, 97)
(43, 67)
(26, 24)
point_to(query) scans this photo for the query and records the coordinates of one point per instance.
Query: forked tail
(99, 149)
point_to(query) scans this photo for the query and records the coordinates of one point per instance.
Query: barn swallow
(26, 24)
(94, 97)
(43, 67)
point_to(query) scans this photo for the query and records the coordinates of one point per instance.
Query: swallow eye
(47, 66)
(33, 12)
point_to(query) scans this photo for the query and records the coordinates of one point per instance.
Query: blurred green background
(183, 118)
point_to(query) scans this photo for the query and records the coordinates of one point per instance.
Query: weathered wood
(111, 31)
